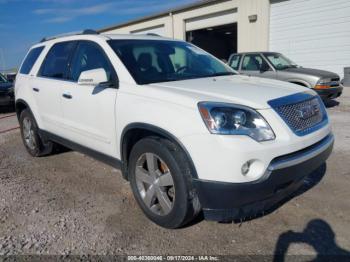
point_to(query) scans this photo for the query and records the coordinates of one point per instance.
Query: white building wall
(162, 26)
(251, 36)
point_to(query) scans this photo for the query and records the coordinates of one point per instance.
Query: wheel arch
(21, 105)
(134, 132)
(300, 82)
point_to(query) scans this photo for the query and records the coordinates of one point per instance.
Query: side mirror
(93, 77)
(264, 67)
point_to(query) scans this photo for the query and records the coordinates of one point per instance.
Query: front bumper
(229, 201)
(330, 93)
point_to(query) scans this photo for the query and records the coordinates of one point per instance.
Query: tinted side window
(56, 62)
(30, 60)
(254, 63)
(2, 79)
(87, 57)
(235, 60)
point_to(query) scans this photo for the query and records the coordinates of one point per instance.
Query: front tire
(32, 141)
(160, 179)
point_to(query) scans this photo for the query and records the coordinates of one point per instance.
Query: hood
(5, 86)
(313, 72)
(238, 89)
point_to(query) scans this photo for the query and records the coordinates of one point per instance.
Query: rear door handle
(68, 96)
(36, 89)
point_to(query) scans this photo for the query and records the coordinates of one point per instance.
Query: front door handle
(36, 89)
(68, 96)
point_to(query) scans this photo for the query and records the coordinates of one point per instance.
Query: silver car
(275, 65)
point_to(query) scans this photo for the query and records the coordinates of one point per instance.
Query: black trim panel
(159, 131)
(226, 201)
(114, 162)
(21, 101)
(329, 93)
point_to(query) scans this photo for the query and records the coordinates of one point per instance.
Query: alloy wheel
(28, 133)
(155, 184)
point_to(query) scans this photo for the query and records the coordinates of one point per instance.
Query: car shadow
(7, 109)
(319, 235)
(309, 182)
(331, 103)
(59, 149)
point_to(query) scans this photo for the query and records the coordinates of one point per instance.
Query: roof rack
(152, 34)
(84, 32)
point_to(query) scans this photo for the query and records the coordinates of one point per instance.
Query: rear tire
(161, 180)
(32, 141)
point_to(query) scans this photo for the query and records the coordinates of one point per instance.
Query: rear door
(46, 87)
(256, 65)
(89, 111)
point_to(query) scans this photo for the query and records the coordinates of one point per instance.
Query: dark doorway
(220, 41)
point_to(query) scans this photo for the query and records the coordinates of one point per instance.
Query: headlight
(326, 83)
(228, 119)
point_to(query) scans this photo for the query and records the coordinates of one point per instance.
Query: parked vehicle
(6, 92)
(11, 77)
(277, 66)
(186, 130)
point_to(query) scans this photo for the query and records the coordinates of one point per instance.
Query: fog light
(245, 168)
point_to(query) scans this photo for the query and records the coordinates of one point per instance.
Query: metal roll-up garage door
(313, 33)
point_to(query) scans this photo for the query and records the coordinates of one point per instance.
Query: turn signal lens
(322, 86)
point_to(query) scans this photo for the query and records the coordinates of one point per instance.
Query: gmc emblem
(308, 111)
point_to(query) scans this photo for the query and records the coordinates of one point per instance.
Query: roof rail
(152, 34)
(84, 32)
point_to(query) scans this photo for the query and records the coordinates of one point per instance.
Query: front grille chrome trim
(289, 107)
(303, 155)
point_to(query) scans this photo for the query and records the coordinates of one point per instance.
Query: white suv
(187, 131)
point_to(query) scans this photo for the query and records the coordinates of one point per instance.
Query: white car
(187, 131)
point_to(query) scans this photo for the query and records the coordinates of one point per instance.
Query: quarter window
(254, 63)
(56, 62)
(89, 56)
(30, 60)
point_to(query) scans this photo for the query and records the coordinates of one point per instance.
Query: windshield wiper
(222, 74)
(288, 66)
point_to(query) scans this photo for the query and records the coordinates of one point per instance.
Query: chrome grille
(335, 82)
(303, 117)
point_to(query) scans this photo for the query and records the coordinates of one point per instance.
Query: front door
(255, 65)
(89, 111)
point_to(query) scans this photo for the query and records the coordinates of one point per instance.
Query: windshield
(153, 61)
(2, 79)
(279, 61)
